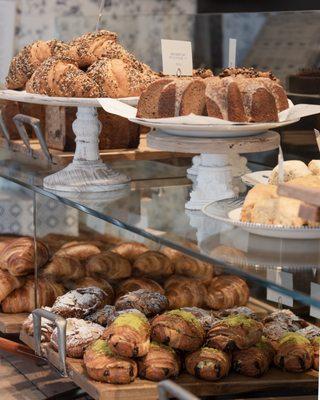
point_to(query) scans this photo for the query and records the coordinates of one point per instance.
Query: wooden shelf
(11, 323)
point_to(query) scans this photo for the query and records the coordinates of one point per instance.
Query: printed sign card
(283, 279)
(176, 57)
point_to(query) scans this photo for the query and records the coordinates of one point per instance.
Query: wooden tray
(146, 390)
(11, 323)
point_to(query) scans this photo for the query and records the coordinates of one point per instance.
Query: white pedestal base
(87, 173)
(214, 181)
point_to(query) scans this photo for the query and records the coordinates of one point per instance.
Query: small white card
(232, 53)
(283, 279)
(315, 292)
(176, 57)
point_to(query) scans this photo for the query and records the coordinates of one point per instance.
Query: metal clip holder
(168, 389)
(20, 120)
(61, 325)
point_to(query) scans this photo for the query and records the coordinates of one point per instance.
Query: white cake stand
(214, 171)
(87, 172)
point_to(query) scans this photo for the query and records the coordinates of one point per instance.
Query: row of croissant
(116, 268)
(92, 65)
(138, 336)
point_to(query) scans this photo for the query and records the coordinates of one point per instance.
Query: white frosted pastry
(291, 169)
(314, 167)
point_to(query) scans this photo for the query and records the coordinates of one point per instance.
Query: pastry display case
(177, 269)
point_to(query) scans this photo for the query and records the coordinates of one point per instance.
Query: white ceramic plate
(253, 178)
(23, 96)
(229, 211)
(212, 130)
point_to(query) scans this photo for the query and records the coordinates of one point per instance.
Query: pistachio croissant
(208, 364)
(129, 335)
(149, 303)
(295, 353)
(235, 332)
(160, 363)
(255, 361)
(104, 365)
(179, 329)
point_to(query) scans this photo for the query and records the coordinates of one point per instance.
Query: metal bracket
(168, 388)
(61, 325)
(4, 128)
(20, 120)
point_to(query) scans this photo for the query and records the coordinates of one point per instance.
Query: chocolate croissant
(153, 264)
(184, 292)
(104, 365)
(130, 250)
(62, 268)
(205, 317)
(160, 363)
(133, 284)
(295, 353)
(149, 303)
(178, 329)
(255, 361)
(188, 266)
(235, 332)
(108, 265)
(104, 316)
(29, 59)
(226, 291)
(129, 335)
(18, 256)
(208, 364)
(60, 76)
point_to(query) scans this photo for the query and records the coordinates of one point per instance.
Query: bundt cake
(172, 97)
(237, 94)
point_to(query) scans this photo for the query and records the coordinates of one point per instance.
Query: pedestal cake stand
(87, 172)
(214, 171)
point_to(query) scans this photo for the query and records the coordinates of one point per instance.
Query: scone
(314, 167)
(292, 169)
(258, 193)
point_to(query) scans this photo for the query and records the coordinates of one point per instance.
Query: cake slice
(149, 99)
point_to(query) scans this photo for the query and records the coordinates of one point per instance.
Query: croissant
(18, 256)
(60, 76)
(132, 284)
(130, 250)
(235, 332)
(108, 265)
(23, 299)
(236, 311)
(149, 303)
(295, 353)
(188, 266)
(129, 335)
(47, 327)
(89, 47)
(315, 344)
(8, 283)
(178, 329)
(184, 292)
(88, 281)
(205, 317)
(153, 264)
(29, 59)
(160, 363)
(255, 361)
(226, 291)
(104, 365)
(80, 250)
(61, 268)
(117, 78)
(79, 335)
(208, 364)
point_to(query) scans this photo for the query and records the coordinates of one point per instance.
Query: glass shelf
(153, 207)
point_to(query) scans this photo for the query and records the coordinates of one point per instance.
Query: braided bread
(60, 76)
